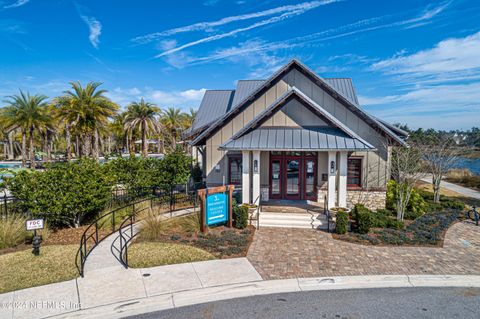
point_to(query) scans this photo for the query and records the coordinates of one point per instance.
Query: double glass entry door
(293, 176)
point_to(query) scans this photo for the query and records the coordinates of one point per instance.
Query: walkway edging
(249, 289)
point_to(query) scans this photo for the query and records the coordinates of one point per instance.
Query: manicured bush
(12, 231)
(383, 218)
(365, 221)
(395, 224)
(416, 207)
(197, 173)
(137, 173)
(240, 216)
(342, 222)
(65, 194)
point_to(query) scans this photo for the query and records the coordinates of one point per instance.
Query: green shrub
(452, 204)
(197, 173)
(342, 222)
(416, 207)
(364, 218)
(365, 221)
(12, 231)
(65, 194)
(137, 173)
(240, 216)
(395, 224)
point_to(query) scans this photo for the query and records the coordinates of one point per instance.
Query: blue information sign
(217, 208)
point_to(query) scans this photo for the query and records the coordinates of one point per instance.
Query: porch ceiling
(296, 138)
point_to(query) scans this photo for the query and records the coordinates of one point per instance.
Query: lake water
(473, 164)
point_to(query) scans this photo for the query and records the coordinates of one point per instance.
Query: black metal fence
(134, 201)
(10, 205)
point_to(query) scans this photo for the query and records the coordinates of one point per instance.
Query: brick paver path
(279, 253)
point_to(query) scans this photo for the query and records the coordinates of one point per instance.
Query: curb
(232, 291)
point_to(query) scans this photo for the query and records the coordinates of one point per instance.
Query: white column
(246, 177)
(332, 175)
(256, 176)
(342, 180)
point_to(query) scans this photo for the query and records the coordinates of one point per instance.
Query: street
(357, 303)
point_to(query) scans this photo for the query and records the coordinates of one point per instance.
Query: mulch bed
(222, 242)
(63, 236)
(426, 231)
(69, 236)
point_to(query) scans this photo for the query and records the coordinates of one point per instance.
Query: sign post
(216, 206)
(34, 224)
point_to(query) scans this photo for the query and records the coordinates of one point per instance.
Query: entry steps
(307, 220)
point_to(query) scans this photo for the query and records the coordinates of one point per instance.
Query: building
(295, 136)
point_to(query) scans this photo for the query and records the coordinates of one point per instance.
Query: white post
(246, 177)
(256, 176)
(342, 180)
(332, 175)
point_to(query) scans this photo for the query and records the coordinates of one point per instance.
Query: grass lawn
(21, 269)
(449, 193)
(149, 254)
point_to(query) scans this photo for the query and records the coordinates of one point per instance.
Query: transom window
(235, 169)
(354, 172)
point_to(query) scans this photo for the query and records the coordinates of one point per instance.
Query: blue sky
(414, 62)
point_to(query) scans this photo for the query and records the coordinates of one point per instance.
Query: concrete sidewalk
(113, 285)
(116, 292)
(176, 286)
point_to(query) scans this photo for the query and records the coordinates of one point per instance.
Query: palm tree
(172, 120)
(67, 116)
(142, 115)
(27, 112)
(117, 131)
(188, 118)
(88, 109)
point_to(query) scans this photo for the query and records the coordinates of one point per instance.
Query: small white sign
(33, 224)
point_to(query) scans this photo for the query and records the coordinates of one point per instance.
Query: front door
(293, 175)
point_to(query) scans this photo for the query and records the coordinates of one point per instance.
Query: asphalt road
(358, 303)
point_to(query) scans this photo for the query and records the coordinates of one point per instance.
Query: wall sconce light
(332, 167)
(217, 168)
(255, 166)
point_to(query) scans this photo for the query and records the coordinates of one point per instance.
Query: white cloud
(440, 86)
(208, 26)
(16, 4)
(451, 55)
(245, 48)
(300, 10)
(180, 99)
(95, 29)
(94, 26)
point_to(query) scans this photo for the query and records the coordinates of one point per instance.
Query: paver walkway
(293, 253)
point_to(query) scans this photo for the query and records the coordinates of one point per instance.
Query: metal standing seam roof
(345, 87)
(244, 89)
(301, 138)
(342, 86)
(214, 104)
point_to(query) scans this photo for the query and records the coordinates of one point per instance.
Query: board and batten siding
(375, 163)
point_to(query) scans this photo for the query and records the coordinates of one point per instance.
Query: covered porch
(279, 178)
(296, 163)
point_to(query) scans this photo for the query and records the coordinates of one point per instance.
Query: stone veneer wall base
(373, 200)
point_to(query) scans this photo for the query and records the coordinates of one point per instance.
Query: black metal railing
(126, 231)
(10, 205)
(112, 221)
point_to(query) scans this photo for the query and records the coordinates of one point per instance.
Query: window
(354, 172)
(235, 170)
